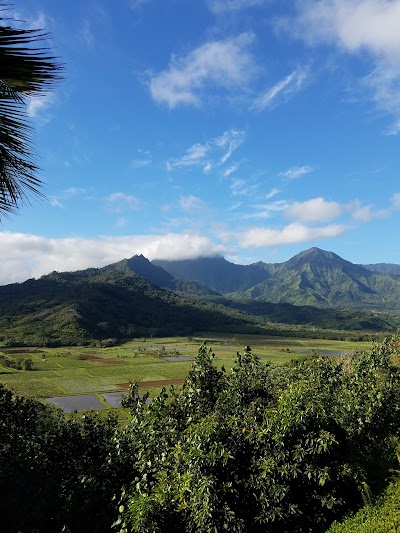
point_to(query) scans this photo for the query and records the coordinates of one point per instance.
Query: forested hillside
(78, 307)
(314, 277)
(119, 302)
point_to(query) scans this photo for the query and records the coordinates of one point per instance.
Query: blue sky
(249, 128)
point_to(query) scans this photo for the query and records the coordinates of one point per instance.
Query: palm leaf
(26, 69)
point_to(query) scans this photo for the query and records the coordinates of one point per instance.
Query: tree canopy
(256, 448)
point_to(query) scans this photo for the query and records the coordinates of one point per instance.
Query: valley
(152, 363)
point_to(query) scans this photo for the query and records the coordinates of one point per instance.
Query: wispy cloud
(281, 91)
(195, 155)
(263, 211)
(212, 154)
(367, 212)
(86, 34)
(316, 209)
(242, 187)
(223, 6)
(395, 200)
(296, 232)
(67, 194)
(228, 142)
(226, 64)
(137, 4)
(119, 202)
(273, 192)
(39, 107)
(295, 172)
(363, 27)
(190, 202)
(144, 159)
(230, 170)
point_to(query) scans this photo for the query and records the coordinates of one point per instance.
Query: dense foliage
(258, 448)
(264, 449)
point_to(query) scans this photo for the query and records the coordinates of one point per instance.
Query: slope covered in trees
(77, 307)
(313, 277)
(118, 302)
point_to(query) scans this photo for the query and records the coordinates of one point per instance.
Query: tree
(26, 69)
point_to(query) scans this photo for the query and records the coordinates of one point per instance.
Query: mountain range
(135, 297)
(314, 277)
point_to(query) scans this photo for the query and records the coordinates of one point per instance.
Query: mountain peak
(314, 255)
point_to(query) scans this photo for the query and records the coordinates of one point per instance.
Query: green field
(82, 370)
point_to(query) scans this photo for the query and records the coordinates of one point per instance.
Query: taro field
(79, 378)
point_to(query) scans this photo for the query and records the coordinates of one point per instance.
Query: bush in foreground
(257, 449)
(260, 449)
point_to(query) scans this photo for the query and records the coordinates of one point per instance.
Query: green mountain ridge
(159, 276)
(77, 307)
(313, 277)
(135, 298)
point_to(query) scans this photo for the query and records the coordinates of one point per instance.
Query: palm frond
(26, 69)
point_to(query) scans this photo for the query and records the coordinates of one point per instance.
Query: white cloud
(230, 170)
(214, 153)
(223, 6)
(86, 34)
(359, 27)
(226, 64)
(316, 209)
(70, 192)
(25, 256)
(273, 192)
(354, 25)
(188, 203)
(281, 91)
(40, 21)
(240, 187)
(263, 211)
(293, 233)
(194, 156)
(54, 201)
(229, 141)
(296, 172)
(121, 222)
(365, 213)
(38, 107)
(119, 202)
(359, 212)
(144, 159)
(140, 163)
(396, 200)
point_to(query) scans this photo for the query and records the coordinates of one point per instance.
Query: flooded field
(82, 402)
(80, 378)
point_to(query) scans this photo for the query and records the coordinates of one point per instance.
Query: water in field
(81, 402)
(87, 402)
(177, 358)
(321, 352)
(114, 398)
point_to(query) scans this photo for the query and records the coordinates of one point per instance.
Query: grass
(66, 371)
(382, 516)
